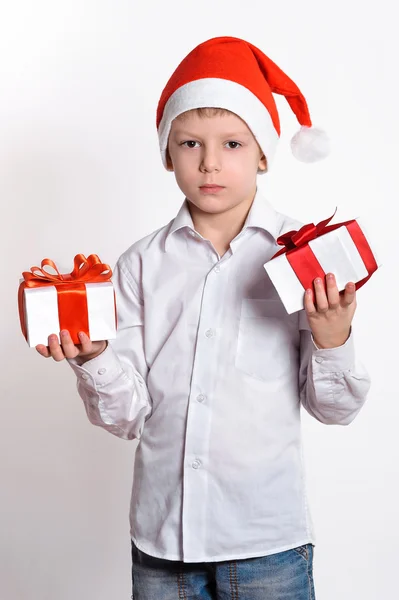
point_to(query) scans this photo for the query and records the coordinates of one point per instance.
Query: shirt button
(85, 376)
(209, 333)
(217, 269)
(192, 233)
(101, 371)
(201, 398)
(319, 359)
(196, 464)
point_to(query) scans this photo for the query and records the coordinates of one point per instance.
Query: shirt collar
(261, 215)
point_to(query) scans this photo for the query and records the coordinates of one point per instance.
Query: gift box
(83, 300)
(314, 250)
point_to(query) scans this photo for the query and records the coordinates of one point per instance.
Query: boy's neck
(221, 228)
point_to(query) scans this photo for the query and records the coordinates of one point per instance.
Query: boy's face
(219, 150)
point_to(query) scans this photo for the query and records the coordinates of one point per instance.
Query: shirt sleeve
(113, 385)
(333, 384)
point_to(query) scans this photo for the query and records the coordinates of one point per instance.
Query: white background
(80, 171)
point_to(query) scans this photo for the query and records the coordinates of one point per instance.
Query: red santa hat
(230, 73)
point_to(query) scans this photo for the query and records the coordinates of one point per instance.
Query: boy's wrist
(86, 357)
(331, 342)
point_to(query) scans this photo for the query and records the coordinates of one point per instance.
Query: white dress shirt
(209, 372)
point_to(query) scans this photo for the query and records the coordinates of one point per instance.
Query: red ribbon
(304, 262)
(71, 291)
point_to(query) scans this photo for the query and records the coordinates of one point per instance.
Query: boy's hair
(205, 112)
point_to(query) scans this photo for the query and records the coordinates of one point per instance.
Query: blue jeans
(283, 576)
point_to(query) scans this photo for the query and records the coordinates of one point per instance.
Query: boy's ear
(262, 166)
(169, 164)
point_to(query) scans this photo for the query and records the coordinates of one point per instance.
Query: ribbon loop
(298, 238)
(84, 270)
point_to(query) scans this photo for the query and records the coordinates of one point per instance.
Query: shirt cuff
(99, 371)
(337, 359)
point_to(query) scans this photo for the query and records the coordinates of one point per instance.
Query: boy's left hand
(330, 314)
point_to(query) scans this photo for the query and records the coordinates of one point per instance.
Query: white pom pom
(310, 144)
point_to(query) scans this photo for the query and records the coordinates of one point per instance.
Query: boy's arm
(113, 385)
(333, 384)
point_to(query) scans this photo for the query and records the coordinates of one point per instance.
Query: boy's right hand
(67, 349)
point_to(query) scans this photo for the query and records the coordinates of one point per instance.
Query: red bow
(295, 239)
(89, 269)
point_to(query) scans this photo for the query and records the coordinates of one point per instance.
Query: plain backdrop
(80, 171)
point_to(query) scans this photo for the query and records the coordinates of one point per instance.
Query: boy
(208, 370)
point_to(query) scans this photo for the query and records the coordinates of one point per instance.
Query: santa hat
(230, 73)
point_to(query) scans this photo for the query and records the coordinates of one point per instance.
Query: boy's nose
(210, 162)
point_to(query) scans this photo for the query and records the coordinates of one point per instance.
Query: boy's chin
(213, 204)
(210, 204)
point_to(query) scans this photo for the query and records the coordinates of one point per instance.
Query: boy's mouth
(211, 188)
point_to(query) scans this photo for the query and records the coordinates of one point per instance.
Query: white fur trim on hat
(220, 93)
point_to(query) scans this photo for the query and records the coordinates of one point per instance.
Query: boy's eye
(192, 144)
(235, 145)
(189, 144)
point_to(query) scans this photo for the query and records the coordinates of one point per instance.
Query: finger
(55, 348)
(349, 295)
(43, 350)
(68, 347)
(321, 296)
(309, 302)
(332, 291)
(87, 344)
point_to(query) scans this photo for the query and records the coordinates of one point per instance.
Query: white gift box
(42, 319)
(335, 251)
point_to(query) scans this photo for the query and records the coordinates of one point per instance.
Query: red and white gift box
(315, 250)
(83, 300)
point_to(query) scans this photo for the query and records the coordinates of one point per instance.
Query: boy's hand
(330, 314)
(67, 349)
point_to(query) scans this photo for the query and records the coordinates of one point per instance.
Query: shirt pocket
(266, 340)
